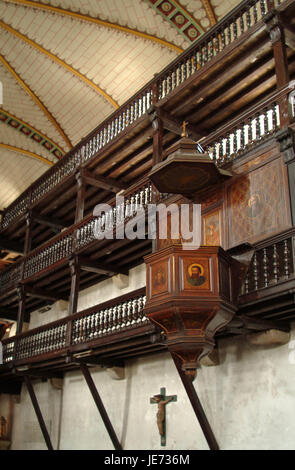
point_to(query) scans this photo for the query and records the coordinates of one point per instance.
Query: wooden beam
(100, 406)
(196, 404)
(289, 31)
(8, 313)
(53, 222)
(102, 182)
(235, 87)
(259, 324)
(205, 88)
(173, 124)
(45, 294)
(11, 245)
(46, 373)
(38, 412)
(88, 264)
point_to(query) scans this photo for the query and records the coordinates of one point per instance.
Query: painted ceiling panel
(19, 103)
(135, 14)
(12, 137)
(221, 8)
(74, 67)
(99, 53)
(16, 174)
(64, 95)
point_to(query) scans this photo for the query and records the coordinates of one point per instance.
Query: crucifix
(161, 400)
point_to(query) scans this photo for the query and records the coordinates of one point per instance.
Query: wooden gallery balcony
(234, 88)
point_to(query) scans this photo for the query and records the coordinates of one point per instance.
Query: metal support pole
(100, 406)
(196, 404)
(38, 412)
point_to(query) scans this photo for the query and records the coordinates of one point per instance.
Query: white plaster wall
(26, 433)
(248, 398)
(4, 404)
(97, 294)
(108, 289)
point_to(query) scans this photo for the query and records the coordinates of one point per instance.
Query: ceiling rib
(60, 62)
(210, 12)
(37, 100)
(27, 153)
(97, 21)
(45, 141)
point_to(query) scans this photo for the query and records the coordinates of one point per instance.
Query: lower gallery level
(247, 396)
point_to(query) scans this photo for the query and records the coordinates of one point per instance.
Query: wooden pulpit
(191, 294)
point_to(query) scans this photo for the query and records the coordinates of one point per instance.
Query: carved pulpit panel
(190, 295)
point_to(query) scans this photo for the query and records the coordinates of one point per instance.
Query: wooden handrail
(31, 343)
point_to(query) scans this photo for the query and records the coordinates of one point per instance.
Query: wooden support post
(286, 139)
(100, 406)
(80, 197)
(75, 281)
(28, 237)
(74, 294)
(21, 308)
(157, 124)
(196, 404)
(277, 37)
(38, 412)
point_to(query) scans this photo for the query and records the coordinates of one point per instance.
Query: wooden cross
(184, 133)
(161, 400)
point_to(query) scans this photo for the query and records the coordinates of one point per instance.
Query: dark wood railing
(250, 129)
(211, 44)
(272, 263)
(76, 238)
(122, 314)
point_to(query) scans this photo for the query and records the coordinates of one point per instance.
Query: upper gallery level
(226, 86)
(221, 76)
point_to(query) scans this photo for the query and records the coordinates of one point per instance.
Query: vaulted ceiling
(65, 65)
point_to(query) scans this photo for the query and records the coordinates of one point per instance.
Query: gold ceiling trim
(36, 99)
(59, 62)
(97, 21)
(210, 12)
(26, 152)
(33, 129)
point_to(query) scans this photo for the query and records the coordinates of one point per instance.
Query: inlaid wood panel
(257, 204)
(212, 228)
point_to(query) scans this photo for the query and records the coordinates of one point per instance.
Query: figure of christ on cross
(161, 400)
